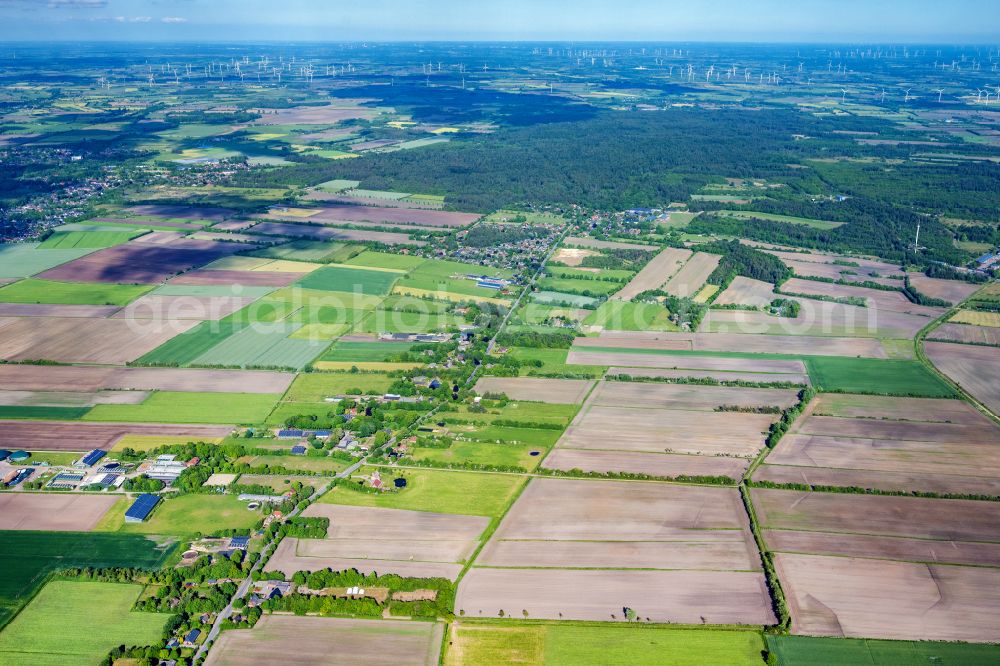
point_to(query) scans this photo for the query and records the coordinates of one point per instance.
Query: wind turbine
(940, 93)
(883, 97)
(907, 98)
(843, 97)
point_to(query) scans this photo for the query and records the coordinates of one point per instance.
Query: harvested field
(842, 596)
(691, 277)
(718, 375)
(249, 278)
(89, 379)
(964, 333)
(890, 301)
(315, 115)
(745, 343)
(183, 307)
(53, 512)
(880, 480)
(577, 241)
(568, 391)
(930, 410)
(79, 436)
(974, 317)
(584, 356)
(973, 368)
(388, 216)
(835, 272)
(315, 640)
(55, 310)
(572, 256)
(408, 543)
(817, 318)
(953, 291)
(81, 340)
(330, 233)
(656, 273)
(654, 464)
(140, 263)
(746, 291)
(720, 597)
(883, 548)
(829, 426)
(687, 396)
(179, 211)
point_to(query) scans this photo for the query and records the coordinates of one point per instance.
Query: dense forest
(739, 259)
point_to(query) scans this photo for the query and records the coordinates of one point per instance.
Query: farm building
(164, 470)
(4, 454)
(66, 480)
(239, 542)
(17, 476)
(248, 497)
(191, 637)
(90, 459)
(298, 450)
(141, 508)
(18, 456)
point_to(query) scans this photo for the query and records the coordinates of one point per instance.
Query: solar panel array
(142, 507)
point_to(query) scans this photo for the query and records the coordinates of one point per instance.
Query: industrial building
(141, 508)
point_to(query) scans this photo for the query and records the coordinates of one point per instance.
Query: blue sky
(462, 20)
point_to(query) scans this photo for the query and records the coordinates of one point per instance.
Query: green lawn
(522, 411)
(351, 280)
(300, 463)
(26, 558)
(178, 407)
(627, 316)
(78, 622)
(469, 493)
(570, 645)
(184, 515)
(484, 453)
(809, 651)
(73, 293)
(313, 387)
(552, 360)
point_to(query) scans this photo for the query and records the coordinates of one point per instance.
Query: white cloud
(140, 19)
(173, 19)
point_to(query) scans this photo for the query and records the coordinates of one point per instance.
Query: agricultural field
(439, 491)
(966, 334)
(656, 273)
(351, 280)
(973, 368)
(901, 444)
(107, 237)
(692, 275)
(184, 516)
(575, 530)
(746, 291)
(72, 293)
(57, 626)
(627, 316)
(801, 650)
(84, 436)
(190, 407)
(314, 387)
(313, 639)
(53, 513)
(567, 391)
(407, 543)
(880, 567)
(555, 644)
(25, 259)
(974, 317)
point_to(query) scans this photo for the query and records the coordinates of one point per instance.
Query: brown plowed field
(391, 216)
(689, 597)
(90, 378)
(723, 342)
(884, 548)
(196, 308)
(831, 426)
(719, 375)
(560, 391)
(583, 356)
(746, 291)
(656, 273)
(848, 273)
(891, 301)
(76, 436)
(53, 512)
(330, 233)
(953, 291)
(732, 555)
(577, 241)
(321, 641)
(654, 464)
(47, 310)
(287, 560)
(931, 410)
(69, 340)
(817, 318)
(692, 276)
(842, 596)
(140, 263)
(687, 396)
(350, 522)
(937, 482)
(984, 335)
(883, 515)
(247, 278)
(974, 368)
(191, 212)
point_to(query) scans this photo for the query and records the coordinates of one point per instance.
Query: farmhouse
(141, 508)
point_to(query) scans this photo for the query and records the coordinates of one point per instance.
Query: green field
(183, 516)
(73, 293)
(809, 651)
(365, 351)
(63, 240)
(606, 274)
(468, 493)
(313, 387)
(748, 214)
(351, 280)
(440, 268)
(23, 259)
(557, 297)
(522, 411)
(300, 463)
(552, 361)
(375, 259)
(264, 346)
(186, 347)
(628, 316)
(570, 645)
(42, 412)
(338, 185)
(402, 321)
(26, 558)
(310, 250)
(572, 286)
(78, 622)
(459, 286)
(483, 453)
(181, 407)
